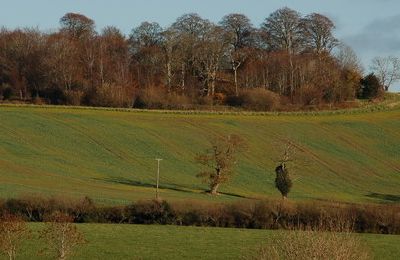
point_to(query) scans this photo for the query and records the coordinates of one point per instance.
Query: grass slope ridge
(109, 155)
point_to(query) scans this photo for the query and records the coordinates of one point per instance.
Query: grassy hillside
(172, 242)
(109, 155)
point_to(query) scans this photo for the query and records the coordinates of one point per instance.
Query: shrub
(158, 98)
(73, 97)
(151, 98)
(61, 236)
(110, 95)
(311, 95)
(176, 101)
(312, 244)
(6, 92)
(38, 101)
(235, 101)
(153, 212)
(13, 231)
(370, 87)
(328, 216)
(261, 215)
(257, 99)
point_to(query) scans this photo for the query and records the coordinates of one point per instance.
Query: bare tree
(208, 57)
(190, 28)
(64, 71)
(284, 33)
(347, 57)
(61, 235)
(284, 30)
(146, 48)
(220, 160)
(113, 58)
(22, 55)
(77, 25)
(170, 46)
(13, 231)
(318, 33)
(238, 29)
(238, 33)
(387, 69)
(147, 34)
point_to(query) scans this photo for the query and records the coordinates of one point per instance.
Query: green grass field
(173, 242)
(109, 155)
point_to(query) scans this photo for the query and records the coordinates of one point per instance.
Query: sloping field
(109, 155)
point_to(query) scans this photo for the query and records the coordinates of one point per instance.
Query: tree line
(288, 59)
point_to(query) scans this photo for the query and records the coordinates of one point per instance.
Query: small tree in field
(61, 235)
(13, 231)
(220, 160)
(283, 182)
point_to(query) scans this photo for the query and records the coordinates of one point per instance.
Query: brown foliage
(314, 244)
(259, 99)
(220, 160)
(191, 59)
(13, 231)
(61, 236)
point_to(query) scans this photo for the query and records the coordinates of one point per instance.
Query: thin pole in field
(158, 177)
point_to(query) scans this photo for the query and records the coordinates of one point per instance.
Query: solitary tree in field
(283, 182)
(220, 160)
(62, 236)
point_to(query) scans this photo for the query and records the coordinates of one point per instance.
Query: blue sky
(371, 27)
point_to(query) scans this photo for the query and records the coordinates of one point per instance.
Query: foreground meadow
(172, 242)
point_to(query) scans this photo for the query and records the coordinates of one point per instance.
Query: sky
(370, 27)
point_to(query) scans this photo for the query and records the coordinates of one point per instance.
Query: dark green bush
(151, 212)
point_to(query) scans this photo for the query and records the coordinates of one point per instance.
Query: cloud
(380, 36)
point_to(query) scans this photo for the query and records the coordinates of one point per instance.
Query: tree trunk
(291, 76)
(169, 75)
(236, 82)
(214, 188)
(183, 76)
(212, 87)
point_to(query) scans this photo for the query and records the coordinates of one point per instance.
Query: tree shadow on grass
(125, 181)
(387, 197)
(233, 195)
(129, 182)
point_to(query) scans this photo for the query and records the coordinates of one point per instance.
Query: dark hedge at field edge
(380, 219)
